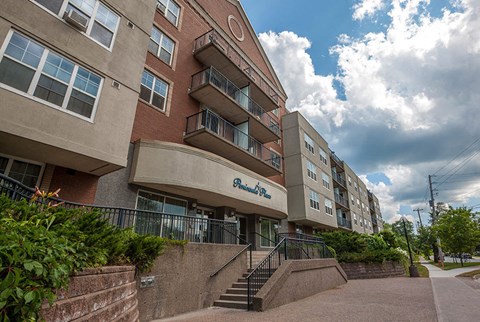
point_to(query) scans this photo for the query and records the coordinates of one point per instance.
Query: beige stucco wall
(89, 145)
(182, 279)
(204, 176)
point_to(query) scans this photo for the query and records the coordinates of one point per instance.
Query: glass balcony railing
(206, 119)
(341, 200)
(337, 160)
(344, 222)
(213, 37)
(213, 77)
(336, 177)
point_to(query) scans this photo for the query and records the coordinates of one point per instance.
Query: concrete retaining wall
(182, 279)
(103, 294)
(373, 270)
(297, 279)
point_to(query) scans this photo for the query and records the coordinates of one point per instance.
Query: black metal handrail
(213, 77)
(300, 236)
(304, 247)
(173, 226)
(218, 126)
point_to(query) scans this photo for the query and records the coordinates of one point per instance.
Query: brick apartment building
(324, 193)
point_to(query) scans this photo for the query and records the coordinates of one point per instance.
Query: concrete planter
(373, 270)
(100, 294)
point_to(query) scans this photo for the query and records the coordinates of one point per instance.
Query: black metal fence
(178, 227)
(289, 246)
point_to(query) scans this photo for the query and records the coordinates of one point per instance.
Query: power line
(468, 147)
(460, 166)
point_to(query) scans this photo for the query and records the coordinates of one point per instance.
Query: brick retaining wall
(373, 270)
(101, 294)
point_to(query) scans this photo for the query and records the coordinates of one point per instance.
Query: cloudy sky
(392, 85)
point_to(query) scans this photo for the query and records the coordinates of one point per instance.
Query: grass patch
(449, 266)
(423, 271)
(470, 274)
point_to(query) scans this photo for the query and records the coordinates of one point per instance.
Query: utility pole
(432, 200)
(419, 217)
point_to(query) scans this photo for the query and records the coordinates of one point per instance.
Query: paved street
(443, 298)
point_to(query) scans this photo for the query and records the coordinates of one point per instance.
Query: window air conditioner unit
(76, 20)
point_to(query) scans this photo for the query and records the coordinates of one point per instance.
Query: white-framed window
(349, 180)
(161, 46)
(323, 156)
(352, 199)
(153, 90)
(358, 203)
(361, 192)
(42, 74)
(355, 218)
(25, 171)
(325, 180)
(170, 9)
(311, 170)
(328, 207)
(314, 200)
(355, 185)
(101, 22)
(309, 143)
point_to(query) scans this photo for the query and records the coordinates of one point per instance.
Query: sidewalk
(454, 299)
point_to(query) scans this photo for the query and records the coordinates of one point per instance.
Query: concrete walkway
(457, 299)
(386, 299)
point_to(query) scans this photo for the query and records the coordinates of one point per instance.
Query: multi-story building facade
(375, 213)
(206, 140)
(70, 76)
(324, 193)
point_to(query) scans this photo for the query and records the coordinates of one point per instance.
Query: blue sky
(391, 84)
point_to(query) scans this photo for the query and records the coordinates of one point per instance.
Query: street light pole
(412, 269)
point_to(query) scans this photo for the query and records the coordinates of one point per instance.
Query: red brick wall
(75, 186)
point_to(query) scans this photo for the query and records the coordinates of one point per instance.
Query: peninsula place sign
(258, 190)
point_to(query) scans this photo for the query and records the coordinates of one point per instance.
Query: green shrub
(41, 245)
(345, 241)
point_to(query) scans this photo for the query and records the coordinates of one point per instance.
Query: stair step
(234, 297)
(234, 290)
(240, 285)
(232, 304)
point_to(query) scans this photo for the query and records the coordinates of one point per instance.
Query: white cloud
(367, 8)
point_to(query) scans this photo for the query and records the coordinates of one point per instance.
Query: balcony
(374, 221)
(339, 180)
(227, 100)
(336, 160)
(344, 222)
(208, 131)
(341, 201)
(213, 50)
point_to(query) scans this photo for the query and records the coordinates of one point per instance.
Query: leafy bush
(41, 245)
(345, 241)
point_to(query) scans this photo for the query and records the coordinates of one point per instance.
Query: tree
(424, 240)
(459, 231)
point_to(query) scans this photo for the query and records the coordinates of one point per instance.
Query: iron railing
(307, 247)
(341, 200)
(338, 178)
(178, 227)
(206, 119)
(213, 37)
(248, 247)
(337, 160)
(344, 222)
(215, 78)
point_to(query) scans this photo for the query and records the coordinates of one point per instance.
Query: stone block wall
(373, 270)
(101, 294)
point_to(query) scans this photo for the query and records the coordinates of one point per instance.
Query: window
(349, 180)
(161, 46)
(358, 203)
(311, 170)
(361, 192)
(170, 9)
(26, 172)
(275, 160)
(154, 223)
(102, 23)
(323, 156)
(355, 218)
(325, 180)
(309, 143)
(328, 207)
(153, 90)
(352, 199)
(40, 72)
(314, 200)
(356, 186)
(276, 112)
(268, 228)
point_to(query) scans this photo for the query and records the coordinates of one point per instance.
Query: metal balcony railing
(214, 77)
(337, 178)
(341, 200)
(213, 37)
(374, 221)
(337, 160)
(206, 119)
(178, 227)
(343, 222)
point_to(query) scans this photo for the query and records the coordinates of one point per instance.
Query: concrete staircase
(236, 296)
